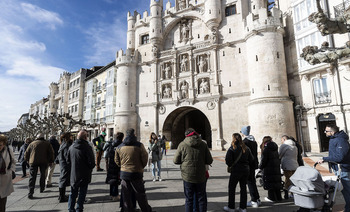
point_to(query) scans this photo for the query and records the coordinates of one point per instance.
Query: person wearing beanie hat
(99, 142)
(245, 130)
(250, 142)
(193, 172)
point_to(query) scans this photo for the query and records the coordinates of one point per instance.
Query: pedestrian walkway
(163, 196)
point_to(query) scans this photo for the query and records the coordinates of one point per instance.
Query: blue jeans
(345, 181)
(82, 190)
(199, 191)
(159, 167)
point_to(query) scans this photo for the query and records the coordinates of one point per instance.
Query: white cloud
(25, 72)
(42, 16)
(105, 39)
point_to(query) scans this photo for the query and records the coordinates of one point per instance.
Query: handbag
(229, 168)
(10, 164)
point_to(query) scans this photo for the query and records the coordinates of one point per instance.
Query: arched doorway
(322, 121)
(186, 117)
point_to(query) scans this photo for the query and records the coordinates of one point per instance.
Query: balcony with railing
(103, 103)
(98, 105)
(323, 98)
(98, 89)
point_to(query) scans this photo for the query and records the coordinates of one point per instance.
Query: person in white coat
(288, 153)
(7, 166)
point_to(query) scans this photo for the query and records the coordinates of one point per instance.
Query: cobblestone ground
(163, 196)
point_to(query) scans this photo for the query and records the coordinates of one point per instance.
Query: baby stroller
(311, 192)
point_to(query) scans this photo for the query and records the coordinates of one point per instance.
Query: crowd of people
(126, 159)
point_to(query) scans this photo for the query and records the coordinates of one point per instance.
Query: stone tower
(270, 109)
(125, 112)
(131, 31)
(213, 14)
(156, 26)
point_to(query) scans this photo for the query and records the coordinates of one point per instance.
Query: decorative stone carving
(184, 63)
(185, 27)
(204, 86)
(162, 109)
(167, 73)
(155, 51)
(182, 4)
(184, 90)
(330, 71)
(211, 105)
(166, 92)
(202, 64)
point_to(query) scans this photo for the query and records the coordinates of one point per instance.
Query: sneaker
(42, 190)
(23, 176)
(30, 196)
(252, 204)
(117, 198)
(154, 180)
(87, 201)
(268, 200)
(48, 185)
(259, 202)
(238, 209)
(100, 170)
(226, 208)
(160, 179)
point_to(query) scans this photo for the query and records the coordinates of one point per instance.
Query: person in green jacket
(193, 155)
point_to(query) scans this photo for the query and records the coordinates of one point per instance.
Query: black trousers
(3, 204)
(138, 188)
(253, 190)
(33, 170)
(235, 178)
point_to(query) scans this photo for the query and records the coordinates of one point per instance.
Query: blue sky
(42, 38)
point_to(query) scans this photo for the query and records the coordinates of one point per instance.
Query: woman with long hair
(66, 141)
(155, 151)
(270, 164)
(240, 160)
(7, 168)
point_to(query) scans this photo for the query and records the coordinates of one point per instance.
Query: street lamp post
(300, 109)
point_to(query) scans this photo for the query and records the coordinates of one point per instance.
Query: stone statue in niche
(183, 63)
(182, 4)
(202, 64)
(167, 71)
(185, 31)
(204, 86)
(166, 92)
(184, 90)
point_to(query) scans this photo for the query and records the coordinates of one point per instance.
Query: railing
(98, 88)
(98, 104)
(339, 10)
(103, 103)
(323, 98)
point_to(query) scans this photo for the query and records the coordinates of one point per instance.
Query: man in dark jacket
(81, 160)
(99, 142)
(339, 153)
(250, 142)
(39, 154)
(131, 156)
(192, 155)
(49, 172)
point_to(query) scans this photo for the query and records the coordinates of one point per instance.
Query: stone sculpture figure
(167, 72)
(183, 63)
(202, 64)
(182, 4)
(167, 92)
(204, 86)
(185, 30)
(184, 90)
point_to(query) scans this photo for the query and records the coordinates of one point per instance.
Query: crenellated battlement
(264, 19)
(124, 58)
(158, 3)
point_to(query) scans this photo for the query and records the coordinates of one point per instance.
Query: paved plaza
(163, 196)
